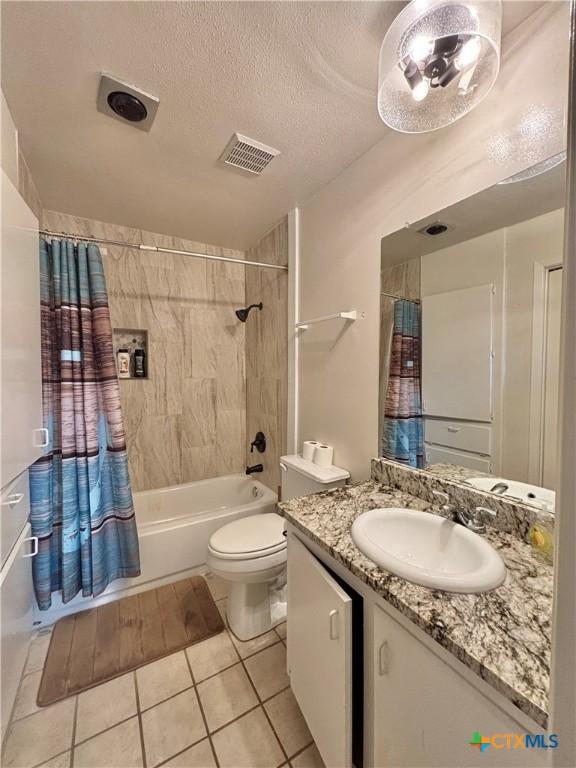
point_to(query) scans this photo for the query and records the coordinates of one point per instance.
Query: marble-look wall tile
(267, 353)
(231, 440)
(187, 421)
(199, 411)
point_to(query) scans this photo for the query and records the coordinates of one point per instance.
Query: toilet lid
(255, 534)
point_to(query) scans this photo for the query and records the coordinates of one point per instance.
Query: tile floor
(220, 703)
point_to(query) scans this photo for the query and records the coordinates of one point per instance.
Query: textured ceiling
(299, 76)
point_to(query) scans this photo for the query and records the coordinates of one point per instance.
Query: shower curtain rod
(401, 298)
(159, 249)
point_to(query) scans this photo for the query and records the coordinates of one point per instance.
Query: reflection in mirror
(470, 337)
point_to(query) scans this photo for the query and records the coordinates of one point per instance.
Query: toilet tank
(301, 477)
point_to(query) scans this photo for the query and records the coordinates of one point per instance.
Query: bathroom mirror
(470, 335)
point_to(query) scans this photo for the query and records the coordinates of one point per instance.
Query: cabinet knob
(383, 659)
(13, 499)
(333, 616)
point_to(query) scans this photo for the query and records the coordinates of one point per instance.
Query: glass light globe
(439, 59)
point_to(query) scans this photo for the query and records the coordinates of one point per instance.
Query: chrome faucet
(472, 519)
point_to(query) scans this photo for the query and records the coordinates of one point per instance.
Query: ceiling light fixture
(439, 59)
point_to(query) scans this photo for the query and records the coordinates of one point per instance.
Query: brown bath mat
(93, 646)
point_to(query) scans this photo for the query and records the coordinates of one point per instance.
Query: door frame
(537, 377)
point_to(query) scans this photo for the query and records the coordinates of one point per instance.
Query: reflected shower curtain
(403, 434)
(80, 495)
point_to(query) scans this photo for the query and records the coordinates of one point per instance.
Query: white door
(551, 378)
(16, 597)
(457, 354)
(426, 714)
(320, 653)
(21, 382)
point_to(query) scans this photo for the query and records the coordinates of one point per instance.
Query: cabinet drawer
(14, 512)
(436, 454)
(460, 434)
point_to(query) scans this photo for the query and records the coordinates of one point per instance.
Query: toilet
(251, 552)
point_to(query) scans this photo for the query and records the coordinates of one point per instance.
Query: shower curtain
(80, 496)
(403, 438)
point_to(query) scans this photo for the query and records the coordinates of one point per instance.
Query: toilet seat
(250, 538)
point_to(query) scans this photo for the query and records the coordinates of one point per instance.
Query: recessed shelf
(131, 339)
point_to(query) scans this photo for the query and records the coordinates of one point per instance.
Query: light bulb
(420, 91)
(469, 53)
(421, 48)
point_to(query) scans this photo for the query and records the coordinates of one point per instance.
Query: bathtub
(175, 523)
(174, 527)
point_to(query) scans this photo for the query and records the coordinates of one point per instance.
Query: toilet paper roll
(323, 455)
(308, 448)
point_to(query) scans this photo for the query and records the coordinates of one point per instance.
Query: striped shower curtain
(403, 434)
(81, 501)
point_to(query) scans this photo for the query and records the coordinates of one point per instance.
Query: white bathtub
(174, 527)
(175, 523)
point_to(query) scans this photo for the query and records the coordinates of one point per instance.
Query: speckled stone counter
(454, 472)
(503, 635)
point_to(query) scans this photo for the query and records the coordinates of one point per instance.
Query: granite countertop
(454, 472)
(503, 635)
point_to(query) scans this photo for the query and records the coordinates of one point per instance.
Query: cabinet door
(16, 597)
(21, 362)
(425, 713)
(14, 512)
(320, 653)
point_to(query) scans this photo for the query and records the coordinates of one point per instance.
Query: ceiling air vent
(247, 154)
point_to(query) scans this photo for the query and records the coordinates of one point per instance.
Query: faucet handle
(486, 511)
(445, 498)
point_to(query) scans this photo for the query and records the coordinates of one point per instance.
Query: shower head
(242, 314)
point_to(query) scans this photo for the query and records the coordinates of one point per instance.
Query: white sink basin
(542, 498)
(429, 550)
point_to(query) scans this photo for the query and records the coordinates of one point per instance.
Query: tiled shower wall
(187, 421)
(267, 353)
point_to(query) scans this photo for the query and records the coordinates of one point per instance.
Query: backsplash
(511, 517)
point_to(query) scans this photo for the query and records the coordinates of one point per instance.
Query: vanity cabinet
(420, 706)
(425, 713)
(320, 653)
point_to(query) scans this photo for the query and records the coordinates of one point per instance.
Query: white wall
(9, 142)
(14, 163)
(404, 178)
(535, 242)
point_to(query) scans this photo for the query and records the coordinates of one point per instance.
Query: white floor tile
(163, 678)
(172, 726)
(105, 705)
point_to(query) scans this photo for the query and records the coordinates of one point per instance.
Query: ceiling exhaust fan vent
(434, 229)
(247, 154)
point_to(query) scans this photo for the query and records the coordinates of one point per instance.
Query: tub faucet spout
(255, 468)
